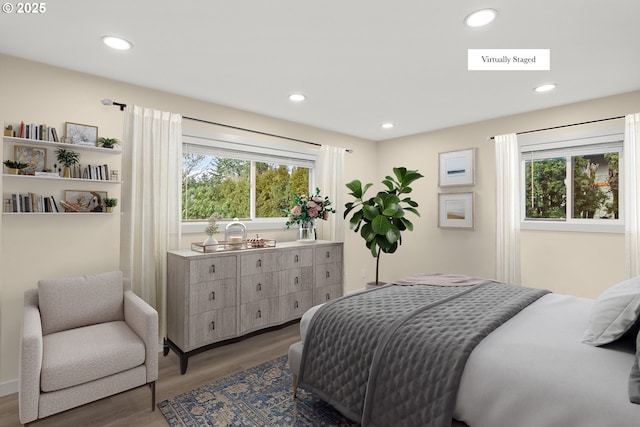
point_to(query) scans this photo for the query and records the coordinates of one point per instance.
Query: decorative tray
(227, 246)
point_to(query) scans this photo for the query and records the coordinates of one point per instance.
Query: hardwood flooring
(133, 408)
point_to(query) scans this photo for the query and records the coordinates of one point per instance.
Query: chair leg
(295, 385)
(153, 395)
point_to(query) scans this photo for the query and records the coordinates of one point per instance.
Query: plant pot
(13, 171)
(374, 285)
(66, 172)
(109, 209)
(210, 241)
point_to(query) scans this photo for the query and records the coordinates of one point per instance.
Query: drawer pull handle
(328, 274)
(296, 280)
(296, 305)
(259, 263)
(213, 294)
(259, 287)
(212, 269)
(328, 296)
(295, 259)
(259, 314)
(328, 254)
(213, 326)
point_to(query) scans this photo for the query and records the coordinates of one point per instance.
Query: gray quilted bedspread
(394, 356)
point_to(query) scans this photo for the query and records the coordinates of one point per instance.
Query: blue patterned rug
(260, 396)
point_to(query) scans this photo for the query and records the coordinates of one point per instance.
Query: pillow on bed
(634, 378)
(614, 313)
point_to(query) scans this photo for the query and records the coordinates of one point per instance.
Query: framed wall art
(34, 157)
(76, 133)
(456, 210)
(457, 168)
(84, 201)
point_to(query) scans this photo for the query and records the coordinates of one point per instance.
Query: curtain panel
(151, 201)
(330, 181)
(631, 163)
(507, 200)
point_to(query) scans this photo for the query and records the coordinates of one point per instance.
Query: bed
(555, 360)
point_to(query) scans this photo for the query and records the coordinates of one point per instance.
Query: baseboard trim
(8, 388)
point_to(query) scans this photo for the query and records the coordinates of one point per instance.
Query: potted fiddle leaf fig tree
(381, 218)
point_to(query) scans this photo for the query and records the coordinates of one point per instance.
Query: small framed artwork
(457, 168)
(84, 201)
(76, 133)
(34, 157)
(456, 210)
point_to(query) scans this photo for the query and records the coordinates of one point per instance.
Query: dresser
(215, 297)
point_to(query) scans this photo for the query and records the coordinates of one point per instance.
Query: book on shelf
(37, 131)
(31, 203)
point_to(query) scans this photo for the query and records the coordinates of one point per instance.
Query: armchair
(84, 338)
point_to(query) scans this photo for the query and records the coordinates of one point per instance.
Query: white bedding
(534, 371)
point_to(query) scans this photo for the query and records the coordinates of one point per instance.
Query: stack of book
(31, 202)
(40, 132)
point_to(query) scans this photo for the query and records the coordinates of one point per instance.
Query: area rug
(260, 396)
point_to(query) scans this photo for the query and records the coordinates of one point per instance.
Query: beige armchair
(84, 338)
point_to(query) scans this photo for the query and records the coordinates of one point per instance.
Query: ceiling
(359, 62)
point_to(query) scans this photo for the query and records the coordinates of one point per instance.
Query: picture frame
(456, 210)
(34, 157)
(457, 168)
(84, 200)
(76, 133)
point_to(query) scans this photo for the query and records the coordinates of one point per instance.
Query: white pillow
(614, 312)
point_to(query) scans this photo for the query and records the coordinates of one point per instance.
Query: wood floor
(133, 408)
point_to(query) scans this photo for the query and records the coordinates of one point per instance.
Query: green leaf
(355, 219)
(380, 225)
(408, 224)
(415, 211)
(393, 235)
(367, 233)
(356, 188)
(370, 212)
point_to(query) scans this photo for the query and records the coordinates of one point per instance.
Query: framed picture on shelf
(34, 157)
(76, 133)
(456, 210)
(84, 201)
(457, 168)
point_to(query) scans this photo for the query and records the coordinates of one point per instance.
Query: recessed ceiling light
(297, 97)
(117, 43)
(481, 17)
(545, 87)
(387, 125)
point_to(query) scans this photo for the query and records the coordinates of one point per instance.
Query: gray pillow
(614, 313)
(634, 378)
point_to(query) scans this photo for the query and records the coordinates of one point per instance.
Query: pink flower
(318, 200)
(313, 209)
(325, 215)
(297, 210)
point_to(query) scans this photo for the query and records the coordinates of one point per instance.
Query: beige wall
(582, 264)
(36, 247)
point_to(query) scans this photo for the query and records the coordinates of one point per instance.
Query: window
(572, 184)
(237, 178)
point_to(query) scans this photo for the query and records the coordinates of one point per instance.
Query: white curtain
(151, 201)
(507, 201)
(631, 163)
(330, 180)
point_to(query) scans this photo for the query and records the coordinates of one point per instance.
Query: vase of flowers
(305, 210)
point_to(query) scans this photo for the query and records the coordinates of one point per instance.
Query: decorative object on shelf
(456, 210)
(108, 142)
(235, 233)
(14, 167)
(8, 130)
(212, 229)
(110, 204)
(457, 168)
(68, 158)
(381, 219)
(304, 211)
(85, 201)
(34, 157)
(229, 246)
(114, 175)
(81, 134)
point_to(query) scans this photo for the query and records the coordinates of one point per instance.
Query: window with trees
(572, 182)
(247, 182)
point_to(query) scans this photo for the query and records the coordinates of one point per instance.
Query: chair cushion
(74, 302)
(81, 355)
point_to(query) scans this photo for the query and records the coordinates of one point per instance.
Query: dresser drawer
(259, 286)
(296, 258)
(212, 326)
(328, 254)
(259, 314)
(293, 306)
(295, 280)
(326, 293)
(207, 296)
(262, 262)
(214, 268)
(328, 274)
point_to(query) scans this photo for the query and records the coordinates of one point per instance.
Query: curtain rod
(123, 106)
(563, 126)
